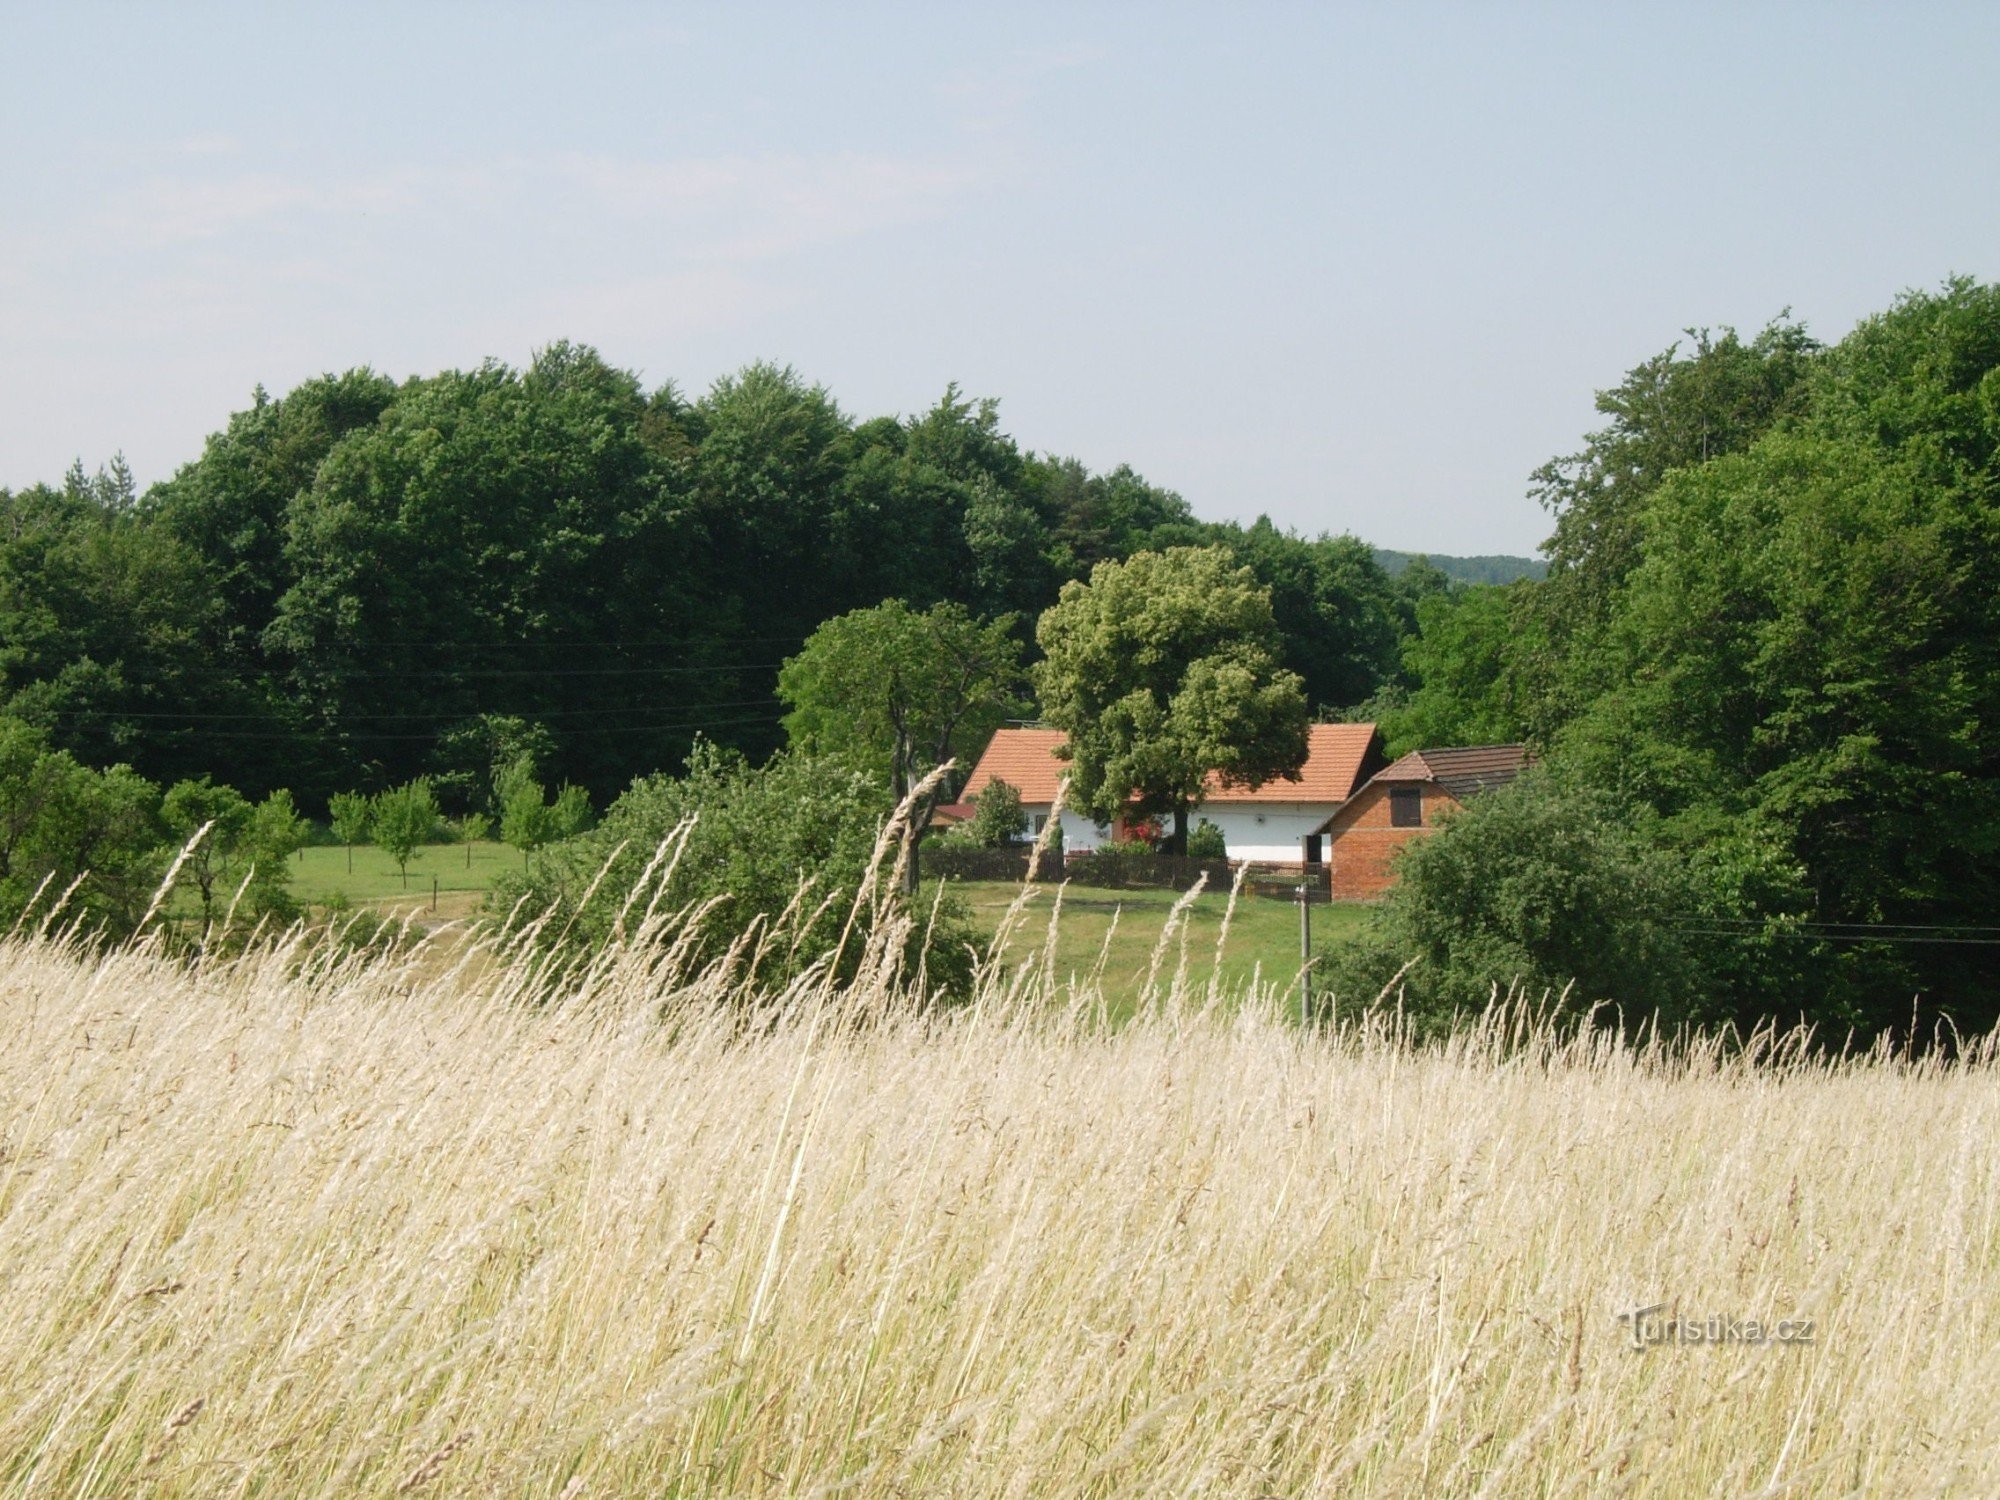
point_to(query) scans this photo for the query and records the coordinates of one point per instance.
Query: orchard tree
(1160, 670)
(350, 814)
(529, 820)
(406, 819)
(469, 830)
(902, 691)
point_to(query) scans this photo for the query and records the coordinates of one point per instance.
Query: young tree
(997, 819)
(350, 813)
(469, 830)
(406, 819)
(187, 807)
(903, 691)
(527, 821)
(1160, 670)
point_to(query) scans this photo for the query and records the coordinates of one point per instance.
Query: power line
(433, 715)
(456, 673)
(336, 738)
(1760, 924)
(1850, 937)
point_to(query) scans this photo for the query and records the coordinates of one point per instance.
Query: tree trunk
(1177, 840)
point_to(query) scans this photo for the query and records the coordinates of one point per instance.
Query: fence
(1121, 867)
(985, 864)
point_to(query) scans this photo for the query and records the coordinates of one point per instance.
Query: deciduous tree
(1162, 670)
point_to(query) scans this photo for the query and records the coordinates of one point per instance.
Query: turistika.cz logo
(1648, 1330)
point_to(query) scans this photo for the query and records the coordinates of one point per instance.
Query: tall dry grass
(293, 1223)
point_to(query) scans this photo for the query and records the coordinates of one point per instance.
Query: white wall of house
(1267, 832)
(1079, 833)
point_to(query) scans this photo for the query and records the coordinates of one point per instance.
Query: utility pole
(1305, 951)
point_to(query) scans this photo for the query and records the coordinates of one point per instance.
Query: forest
(364, 581)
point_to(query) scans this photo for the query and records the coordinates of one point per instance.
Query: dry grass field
(298, 1225)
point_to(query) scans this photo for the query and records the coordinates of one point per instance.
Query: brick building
(1403, 802)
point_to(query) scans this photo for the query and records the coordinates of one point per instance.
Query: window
(1406, 807)
(1041, 822)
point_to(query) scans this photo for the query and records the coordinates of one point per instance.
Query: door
(1315, 851)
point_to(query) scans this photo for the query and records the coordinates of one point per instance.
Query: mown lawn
(1263, 934)
(321, 872)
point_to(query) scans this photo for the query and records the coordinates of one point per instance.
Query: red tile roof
(1461, 770)
(1023, 758)
(1337, 755)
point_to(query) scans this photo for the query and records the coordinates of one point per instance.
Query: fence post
(434, 893)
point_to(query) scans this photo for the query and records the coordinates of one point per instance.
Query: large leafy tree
(1160, 670)
(1686, 406)
(500, 543)
(1339, 616)
(1463, 658)
(1812, 643)
(902, 691)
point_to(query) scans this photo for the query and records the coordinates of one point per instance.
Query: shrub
(997, 819)
(1544, 886)
(760, 833)
(1205, 841)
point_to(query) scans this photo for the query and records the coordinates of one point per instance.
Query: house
(950, 814)
(1403, 802)
(1278, 823)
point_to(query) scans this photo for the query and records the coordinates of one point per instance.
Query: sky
(1357, 268)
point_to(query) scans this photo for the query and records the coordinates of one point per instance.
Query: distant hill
(1466, 569)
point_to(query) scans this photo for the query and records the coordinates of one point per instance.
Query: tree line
(365, 581)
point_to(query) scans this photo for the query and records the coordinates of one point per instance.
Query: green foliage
(364, 581)
(760, 833)
(1677, 410)
(900, 691)
(1205, 841)
(1538, 885)
(1770, 639)
(1484, 569)
(1812, 642)
(529, 820)
(405, 818)
(62, 823)
(1160, 670)
(351, 816)
(1463, 660)
(1338, 616)
(997, 819)
(241, 862)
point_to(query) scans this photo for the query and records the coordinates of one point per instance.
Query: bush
(997, 819)
(761, 831)
(1544, 886)
(1205, 841)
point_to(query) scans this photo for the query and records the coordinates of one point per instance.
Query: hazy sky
(1359, 268)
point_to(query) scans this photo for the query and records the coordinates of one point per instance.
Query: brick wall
(1363, 845)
